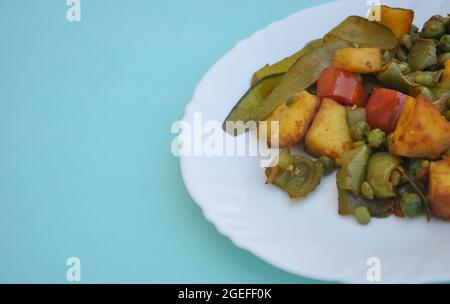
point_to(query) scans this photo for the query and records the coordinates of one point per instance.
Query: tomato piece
(342, 86)
(384, 108)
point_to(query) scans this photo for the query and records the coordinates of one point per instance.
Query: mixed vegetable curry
(370, 98)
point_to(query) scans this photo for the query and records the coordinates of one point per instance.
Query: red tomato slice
(384, 108)
(342, 86)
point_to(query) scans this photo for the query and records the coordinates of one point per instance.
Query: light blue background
(85, 162)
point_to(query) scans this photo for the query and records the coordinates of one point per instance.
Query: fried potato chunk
(294, 117)
(422, 132)
(439, 188)
(359, 60)
(329, 134)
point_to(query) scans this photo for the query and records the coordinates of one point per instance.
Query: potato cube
(439, 188)
(294, 118)
(399, 20)
(329, 134)
(359, 60)
(421, 132)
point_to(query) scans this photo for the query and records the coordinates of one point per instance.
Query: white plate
(307, 238)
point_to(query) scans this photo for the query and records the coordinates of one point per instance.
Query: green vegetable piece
(362, 215)
(353, 171)
(376, 138)
(355, 115)
(367, 191)
(381, 165)
(422, 55)
(297, 175)
(402, 54)
(328, 164)
(405, 189)
(301, 75)
(252, 100)
(411, 205)
(396, 178)
(432, 29)
(406, 41)
(392, 77)
(379, 208)
(404, 67)
(363, 32)
(285, 64)
(358, 130)
(424, 78)
(444, 43)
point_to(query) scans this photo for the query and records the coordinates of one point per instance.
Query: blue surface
(85, 163)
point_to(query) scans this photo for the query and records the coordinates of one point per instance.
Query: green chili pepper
(297, 175)
(381, 165)
(422, 55)
(353, 171)
(424, 78)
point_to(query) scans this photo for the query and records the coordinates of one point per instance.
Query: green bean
(362, 215)
(432, 29)
(411, 205)
(367, 191)
(376, 138)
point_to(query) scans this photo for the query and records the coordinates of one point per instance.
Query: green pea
(367, 191)
(358, 130)
(376, 138)
(411, 205)
(444, 57)
(444, 43)
(328, 164)
(362, 215)
(424, 78)
(404, 67)
(432, 29)
(447, 114)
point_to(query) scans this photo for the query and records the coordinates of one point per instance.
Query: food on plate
(399, 20)
(359, 60)
(439, 188)
(294, 117)
(329, 134)
(371, 99)
(422, 132)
